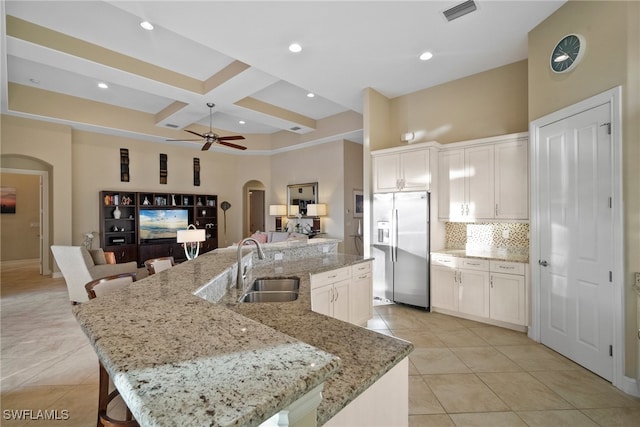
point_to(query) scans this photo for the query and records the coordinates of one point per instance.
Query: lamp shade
(319, 209)
(191, 235)
(294, 210)
(277, 210)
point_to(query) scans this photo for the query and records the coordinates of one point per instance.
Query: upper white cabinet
(512, 180)
(485, 179)
(401, 171)
(466, 183)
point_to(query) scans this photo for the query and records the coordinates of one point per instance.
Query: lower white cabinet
(345, 293)
(361, 293)
(473, 287)
(508, 292)
(487, 291)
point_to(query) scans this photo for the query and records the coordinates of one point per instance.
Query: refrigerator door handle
(394, 235)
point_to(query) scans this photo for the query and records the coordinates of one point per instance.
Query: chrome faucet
(242, 272)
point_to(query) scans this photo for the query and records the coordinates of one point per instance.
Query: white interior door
(575, 238)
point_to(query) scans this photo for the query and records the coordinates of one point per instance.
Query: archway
(36, 225)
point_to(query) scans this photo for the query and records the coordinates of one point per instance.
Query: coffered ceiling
(235, 54)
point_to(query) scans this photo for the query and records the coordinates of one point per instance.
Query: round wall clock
(567, 53)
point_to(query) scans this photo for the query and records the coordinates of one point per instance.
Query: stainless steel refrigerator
(400, 241)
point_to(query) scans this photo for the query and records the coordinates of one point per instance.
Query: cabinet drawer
(507, 267)
(360, 269)
(332, 276)
(473, 264)
(444, 260)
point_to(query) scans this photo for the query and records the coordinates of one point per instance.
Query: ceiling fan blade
(195, 133)
(178, 140)
(229, 144)
(228, 138)
(206, 146)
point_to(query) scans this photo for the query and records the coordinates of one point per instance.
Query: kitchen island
(183, 359)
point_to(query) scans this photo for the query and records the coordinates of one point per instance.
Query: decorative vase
(117, 213)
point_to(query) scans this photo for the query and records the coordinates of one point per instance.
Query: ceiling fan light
(295, 48)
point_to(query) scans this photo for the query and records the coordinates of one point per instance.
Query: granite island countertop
(179, 359)
(497, 254)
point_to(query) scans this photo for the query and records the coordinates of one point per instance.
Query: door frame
(43, 219)
(614, 98)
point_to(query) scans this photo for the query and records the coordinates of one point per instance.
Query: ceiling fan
(211, 137)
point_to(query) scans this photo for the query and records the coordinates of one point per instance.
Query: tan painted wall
(50, 144)
(352, 181)
(611, 29)
(96, 167)
(321, 164)
(20, 231)
(485, 104)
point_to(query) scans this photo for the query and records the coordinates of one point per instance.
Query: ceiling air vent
(460, 10)
(295, 128)
(171, 125)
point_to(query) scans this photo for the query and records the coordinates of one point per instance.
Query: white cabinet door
(414, 170)
(386, 170)
(444, 287)
(322, 300)
(479, 184)
(404, 171)
(361, 294)
(473, 290)
(451, 197)
(512, 180)
(508, 298)
(341, 300)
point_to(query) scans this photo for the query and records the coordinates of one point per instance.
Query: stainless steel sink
(291, 284)
(269, 296)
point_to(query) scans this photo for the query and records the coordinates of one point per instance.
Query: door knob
(543, 263)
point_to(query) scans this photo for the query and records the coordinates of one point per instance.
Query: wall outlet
(325, 249)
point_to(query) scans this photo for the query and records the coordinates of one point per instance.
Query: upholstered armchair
(79, 266)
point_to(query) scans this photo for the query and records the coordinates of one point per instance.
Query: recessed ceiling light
(425, 56)
(295, 47)
(102, 85)
(146, 25)
(242, 122)
(311, 95)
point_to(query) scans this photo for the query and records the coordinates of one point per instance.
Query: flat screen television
(162, 224)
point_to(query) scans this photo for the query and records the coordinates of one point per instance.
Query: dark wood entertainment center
(120, 232)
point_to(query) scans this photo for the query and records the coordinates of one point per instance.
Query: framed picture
(358, 203)
(8, 200)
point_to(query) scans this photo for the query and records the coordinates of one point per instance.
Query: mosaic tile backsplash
(461, 235)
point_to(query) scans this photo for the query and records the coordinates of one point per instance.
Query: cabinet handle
(337, 295)
(331, 300)
(333, 276)
(505, 268)
(496, 209)
(467, 210)
(473, 263)
(462, 209)
(363, 277)
(460, 277)
(491, 282)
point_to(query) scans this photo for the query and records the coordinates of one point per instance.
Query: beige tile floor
(462, 373)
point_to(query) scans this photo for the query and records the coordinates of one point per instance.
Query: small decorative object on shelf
(199, 202)
(117, 213)
(146, 201)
